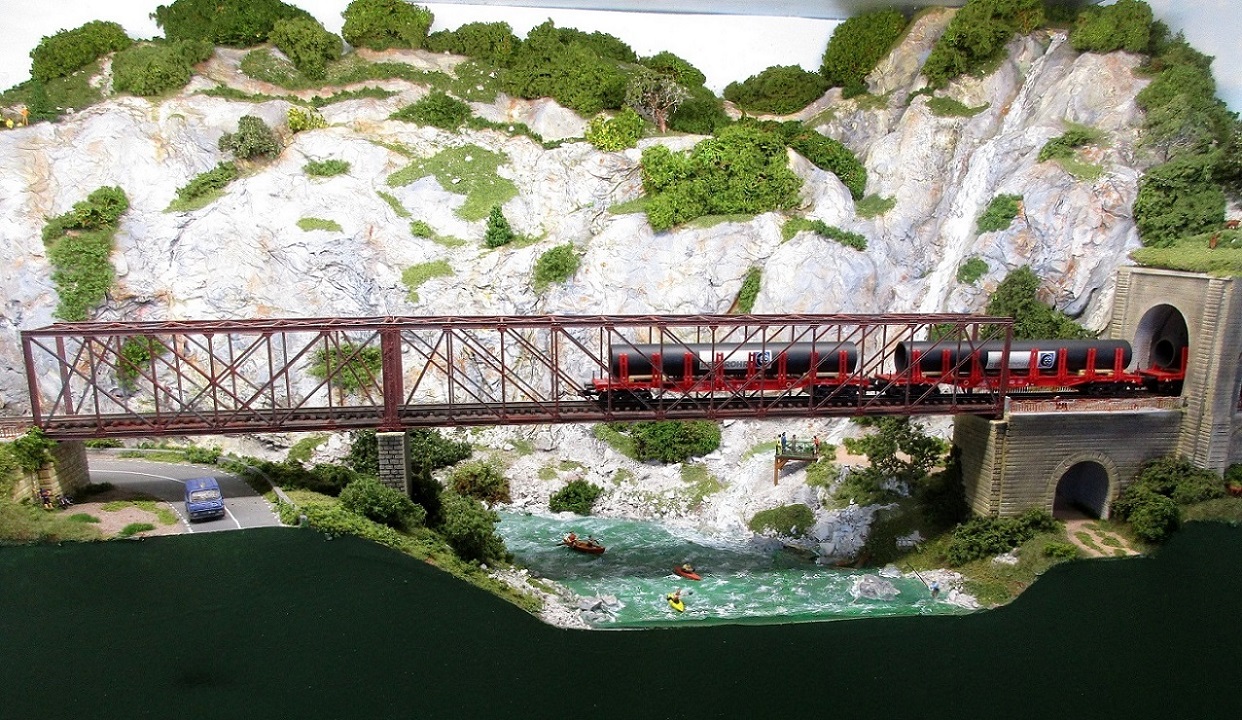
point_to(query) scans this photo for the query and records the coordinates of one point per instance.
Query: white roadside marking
(183, 519)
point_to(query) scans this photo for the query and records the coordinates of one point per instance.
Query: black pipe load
(1047, 355)
(736, 358)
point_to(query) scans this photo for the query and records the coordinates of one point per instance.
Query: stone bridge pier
(1082, 454)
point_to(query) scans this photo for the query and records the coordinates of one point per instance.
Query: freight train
(829, 372)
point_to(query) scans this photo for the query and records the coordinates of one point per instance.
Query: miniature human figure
(570, 538)
(795, 443)
(935, 589)
(815, 440)
(784, 443)
(45, 496)
(25, 115)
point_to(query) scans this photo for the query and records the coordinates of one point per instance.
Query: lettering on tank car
(1018, 360)
(737, 360)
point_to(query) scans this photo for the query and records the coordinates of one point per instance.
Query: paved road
(243, 507)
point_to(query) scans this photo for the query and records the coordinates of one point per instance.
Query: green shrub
(874, 206)
(700, 114)
(148, 70)
(498, 232)
(1064, 145)
(749, 291)
(778, 90)
(1182, 114)
(79, 244)
(981, 537)
(555, 266)
(416, 275)
(470, 528)
(436, 109)
(999, 213)
(252, 139)
(307, 44)
(300, 119)
(971, 269)
(674, 441)
(743, 170)
(857, 46)
(977, 35)
(1017, 296)
(103, 443)
(578, 496)
(350, 367)
(31, 450)
(71, 50)
(326, 168)
(376, 501)
(383, 24)
(612, 134)
(309, 224)
(235, 23)
(1178, 198)
(480, 480)
(827, 154)
(490, 41)
(419, 228)
(204, 186)
(134, 528)
(819, 227)
(302, 450)
(948, 107)
(792, 520)
(577, 69)
(135, 358)
(1124, 25)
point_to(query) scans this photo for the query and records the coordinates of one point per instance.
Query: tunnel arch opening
(1161, 339)
(1082, 490)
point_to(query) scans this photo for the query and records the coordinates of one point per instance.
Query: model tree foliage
(307, 44)
(654, 95)
(490, 41)
(252, 139)
(70, 50)
(234, 23)
(1017, 296)
(1124, 25)
(612, 134)
(778, 90)
(149, 70)
(581, 71)
(384, 24)
(977, 35)
(857, 46)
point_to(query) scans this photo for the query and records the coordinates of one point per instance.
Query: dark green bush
(744, 169)
(71, 50)
(971, 269)
(680, 70)
(491, 41)
(79, 245)
(346, 366)
(148, 70)
(1151, 504)
(700, 114)
(566, 66)
(778, 90)
(827, 154)
(674, 441)
(1124, 25)
(977, 35)
(749, 291)
(201, 455)
(376, 501)
(791, 520)
(1177, 199)
(480, 480)
(857, 46)
(999, 213)
(383, 24)
(234, 23)
(1183, 114)
(555, 266)
(31, 450)
(612, 134)
(427, 447)
(307, 44)
(470, 528)
(215, 179)
(498, 231)
(437, 109)
(1017, 296)
(1064, 145)
(326, 168)
(980, 537)
(578, 496)
(252, 139)
(136, 355)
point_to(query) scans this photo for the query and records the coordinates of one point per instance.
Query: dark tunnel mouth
(1164, 354)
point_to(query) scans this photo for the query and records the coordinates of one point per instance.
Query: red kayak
(687, 572)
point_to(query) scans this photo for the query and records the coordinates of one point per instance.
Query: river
(288, 623)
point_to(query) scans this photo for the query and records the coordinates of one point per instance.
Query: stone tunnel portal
(1161, 338)
(1083, 489)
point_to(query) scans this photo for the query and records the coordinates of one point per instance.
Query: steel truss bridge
(126, 379)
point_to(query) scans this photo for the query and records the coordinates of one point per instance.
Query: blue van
(203, 499)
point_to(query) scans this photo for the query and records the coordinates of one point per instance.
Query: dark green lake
(284, 623)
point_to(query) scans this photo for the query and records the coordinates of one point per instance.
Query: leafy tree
(480, 480)
(1124, 25)
(654, 95)
(1017, 296)
(148, 70)
(977, 34)
(578, 496)
(897, 448)
(1000, 213)
(554, 266)
(674, 441)
(1178, 199)
(234, 23)
(701, 114)
(793, 520)
(490, 41)
(429, 446)
(70, 50)
(307, 44)
(252, 139)
(470, 528)
(498, 231)
(1183, 114)
(778, 90)
(383, 24)
(567, 66)
(1228, 171)
(677, 68)
(857, 46)
(367, 496)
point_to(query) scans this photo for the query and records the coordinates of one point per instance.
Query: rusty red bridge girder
(128, 379)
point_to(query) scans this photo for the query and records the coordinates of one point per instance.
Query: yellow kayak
(676, 602)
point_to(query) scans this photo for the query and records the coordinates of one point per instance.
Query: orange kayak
(687, 574)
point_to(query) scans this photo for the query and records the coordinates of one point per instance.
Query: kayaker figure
(675, 596)
(687, 567)
(935, 589)
(570, 538)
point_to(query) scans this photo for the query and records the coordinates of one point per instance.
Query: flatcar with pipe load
(638, 372)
